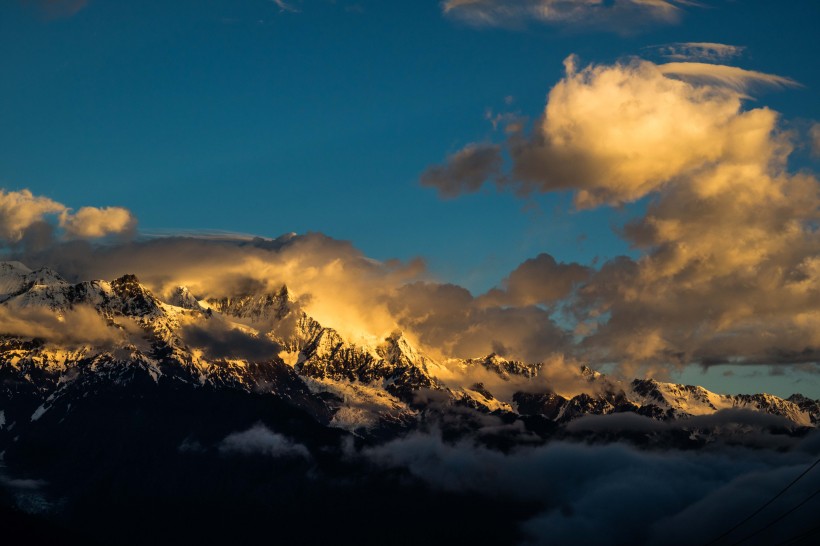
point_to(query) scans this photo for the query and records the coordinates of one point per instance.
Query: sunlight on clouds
(23, 214)
(91, 222)
(728, 245)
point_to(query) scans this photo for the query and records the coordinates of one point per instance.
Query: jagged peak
(397, 349)
(589, 373)
(129, 279)
(182, 297)
(275, 304)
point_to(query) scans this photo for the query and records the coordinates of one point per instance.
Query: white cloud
(21, 212)
(92, 222)
(260, 440)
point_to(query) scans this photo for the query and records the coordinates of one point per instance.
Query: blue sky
(245, 117)
(323, 120)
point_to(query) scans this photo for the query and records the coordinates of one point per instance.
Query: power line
(799, 538)
(766, 504)
(771, 523)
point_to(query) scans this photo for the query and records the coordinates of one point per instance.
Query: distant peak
(15, 266)
(127, 279)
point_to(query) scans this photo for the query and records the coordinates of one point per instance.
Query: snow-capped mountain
(119, 406)
(93, 333)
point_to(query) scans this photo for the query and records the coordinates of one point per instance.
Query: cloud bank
(614, 490)
(729, 247)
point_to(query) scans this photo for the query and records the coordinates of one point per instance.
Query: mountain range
(114, 400)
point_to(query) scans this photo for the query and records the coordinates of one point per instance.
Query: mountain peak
(182, 297)
(136, 299)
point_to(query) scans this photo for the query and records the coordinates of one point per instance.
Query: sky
(475, 135)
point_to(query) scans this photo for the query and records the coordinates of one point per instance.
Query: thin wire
(765, 505)
(771, 523)
(799, 538)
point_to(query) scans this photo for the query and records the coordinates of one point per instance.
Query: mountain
(267, 343)
(108, 391)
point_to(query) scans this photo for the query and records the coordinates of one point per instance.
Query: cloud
(539, 280)
(615, 133)
(20, 210)
(448, 319)
(92, 222)
(219, 340)
(313, 267)
(729, 268)
(699, 51)
(24, 217)
(260, 440)
(284, 6)
(465, 171)
(722, 75)
(58, 8)
(80, 325)
(617, 15)
(648, 497)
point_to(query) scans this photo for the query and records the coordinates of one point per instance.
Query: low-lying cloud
(260, 440)
(617, 491)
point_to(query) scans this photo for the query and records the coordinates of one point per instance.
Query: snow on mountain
(195, 342)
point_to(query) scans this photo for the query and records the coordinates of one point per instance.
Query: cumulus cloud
(260, 440)
(450, 320)
(92, 222)
(613, 490)
(615, 133)
(24, 217)
(699, 51)
(19, 210)
(539, 280)
(728, 270)
(617, 15)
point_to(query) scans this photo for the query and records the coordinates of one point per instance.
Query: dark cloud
(539, 280)
(448, 318)
(219, 340)
(465, 171)
(616, 491)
